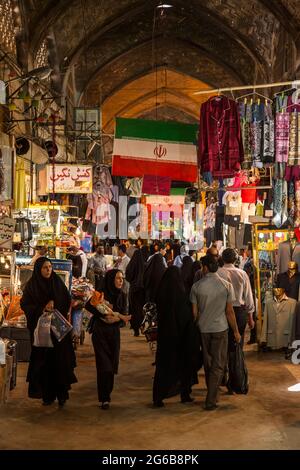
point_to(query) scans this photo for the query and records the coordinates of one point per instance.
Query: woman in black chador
(106, 336)
(154, 272)
(51, 370)
(177, 342)
(187, 272)
(134, 275)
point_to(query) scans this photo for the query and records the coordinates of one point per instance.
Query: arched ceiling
(112, 48)
(165, 90)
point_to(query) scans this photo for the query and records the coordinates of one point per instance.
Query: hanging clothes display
(98, 209)
(210, 222)
(134, 185)
(160, 185)
(20, 186)
(278, 322)
(220, 139)
(257, 125)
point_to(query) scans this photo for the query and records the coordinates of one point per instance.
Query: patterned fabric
(277, 191)
(210, 215)
(297, 204)
(246, 118)
(291, 204)
(279, 170)
(256, 142)
(268, 148)
(292, 173)
(294, 142)
(282, 136)
(280, 203)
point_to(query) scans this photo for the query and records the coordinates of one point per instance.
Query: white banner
(69, 179)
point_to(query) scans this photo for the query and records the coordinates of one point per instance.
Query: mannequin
(278, 320)
(288, 251)
(290, 281)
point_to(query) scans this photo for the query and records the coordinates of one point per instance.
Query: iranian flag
(157, 148)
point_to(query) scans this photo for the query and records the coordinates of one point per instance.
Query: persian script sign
(69, 179)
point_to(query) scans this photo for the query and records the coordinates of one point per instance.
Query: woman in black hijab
(51, 370)
(177, 344)
(154, 271)
(106, 336)
(134, 275)
(187, 273)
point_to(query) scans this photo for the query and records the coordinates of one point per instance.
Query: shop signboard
(69, 179)
(7, 228)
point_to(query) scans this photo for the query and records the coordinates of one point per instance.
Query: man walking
(212, 299)
(243, 304)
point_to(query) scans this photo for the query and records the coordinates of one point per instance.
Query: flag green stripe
(141, 129)
(178, 191)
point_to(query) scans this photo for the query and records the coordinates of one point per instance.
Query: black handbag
(238, 373)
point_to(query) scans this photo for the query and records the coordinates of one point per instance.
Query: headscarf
(187, 273)
(39, 291)
(112, 294)
(135, 270)
(184, 250)
(154, 271)
(145, 252)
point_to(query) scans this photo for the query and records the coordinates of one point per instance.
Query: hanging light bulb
(12, 106)
(27, 99)
(6, 265)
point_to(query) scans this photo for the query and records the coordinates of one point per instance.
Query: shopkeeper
(39, 252)
(79, 260)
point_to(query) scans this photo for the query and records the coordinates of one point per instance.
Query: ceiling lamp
(164, 5)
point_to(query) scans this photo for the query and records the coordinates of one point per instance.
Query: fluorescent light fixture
(294, 388)
(164, 5)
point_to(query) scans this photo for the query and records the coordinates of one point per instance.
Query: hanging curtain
(20, 186)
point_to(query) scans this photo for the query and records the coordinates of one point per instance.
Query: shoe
(105, 405)
(210, 407)
(251, 341)
(136, 333)
(47, 403)
(229, 390)
(61, 403)
(187, 399)
(158, 404)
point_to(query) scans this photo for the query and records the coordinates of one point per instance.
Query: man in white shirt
(243, 304)
(123, 260)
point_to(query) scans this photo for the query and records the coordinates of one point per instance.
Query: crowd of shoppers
(202, 308)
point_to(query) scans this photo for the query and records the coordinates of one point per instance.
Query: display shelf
(265, 242)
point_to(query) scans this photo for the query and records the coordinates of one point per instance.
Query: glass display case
(50, 226)
(266, 240)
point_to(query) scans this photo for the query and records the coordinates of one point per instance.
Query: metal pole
(247, 87)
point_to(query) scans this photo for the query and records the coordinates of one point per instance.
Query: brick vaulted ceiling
(124, 55)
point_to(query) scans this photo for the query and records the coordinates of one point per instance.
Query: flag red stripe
(126, 166)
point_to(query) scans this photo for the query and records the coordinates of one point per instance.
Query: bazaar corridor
(266, 418)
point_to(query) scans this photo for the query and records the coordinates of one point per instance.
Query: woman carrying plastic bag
(51, 369)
